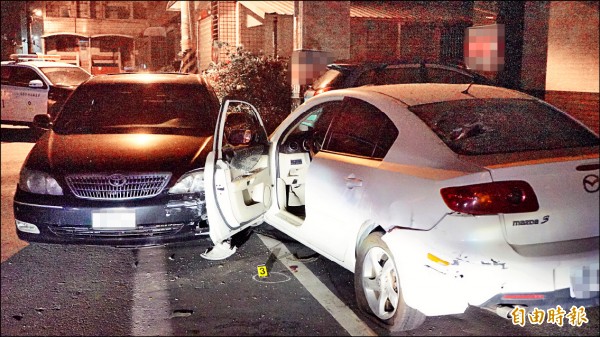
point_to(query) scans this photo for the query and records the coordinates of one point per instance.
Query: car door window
(7, 75)
(360, 129)
(436, 75)
(22, 76)
(401, 75)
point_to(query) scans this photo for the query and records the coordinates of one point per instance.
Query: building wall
(573, 46)
(251, 30)
(372, 39)
(572, 79)
(205, 40)
(94, 26)
(285, 28)
(324, 26)
(412, 46)
(227, 27)
(535, 47)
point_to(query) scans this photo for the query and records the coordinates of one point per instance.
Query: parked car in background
(348, 75)
(122, 164)
(36, 84)
(436, 196)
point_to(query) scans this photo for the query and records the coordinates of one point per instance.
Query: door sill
(288, 218)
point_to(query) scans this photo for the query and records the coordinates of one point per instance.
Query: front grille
(117, 186)
(138, 232)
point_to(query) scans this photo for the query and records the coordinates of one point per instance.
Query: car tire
(375, 274)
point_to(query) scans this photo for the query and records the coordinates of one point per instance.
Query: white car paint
(445, 260)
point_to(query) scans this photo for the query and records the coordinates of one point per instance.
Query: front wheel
(377, 286)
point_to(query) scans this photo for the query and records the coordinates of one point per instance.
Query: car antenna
(466, 91)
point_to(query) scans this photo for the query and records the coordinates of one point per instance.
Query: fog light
(27, 227)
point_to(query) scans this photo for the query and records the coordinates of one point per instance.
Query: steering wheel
(313, 143)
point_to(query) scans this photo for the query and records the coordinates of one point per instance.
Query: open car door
(237, 180)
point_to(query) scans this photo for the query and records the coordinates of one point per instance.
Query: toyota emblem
(117, 180)
(590, 183)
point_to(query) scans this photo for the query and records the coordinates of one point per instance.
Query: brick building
(99, 36)
(551, 46)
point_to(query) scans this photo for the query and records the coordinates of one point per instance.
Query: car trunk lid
(567, 191)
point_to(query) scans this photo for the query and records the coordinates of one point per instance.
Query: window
(331, 78)
(6, 75)
(117, 12)
(437, 75)
(156, 108)
(64, 12)
(487, 126)
(67, 43)
(139, 10)
(392, 75)
(82, 8)
(360, 129)
(451, 45)
(69, 76)
(22, 76)
(58, 9)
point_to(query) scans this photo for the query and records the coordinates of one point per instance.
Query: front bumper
(466, 261)
(67, 220)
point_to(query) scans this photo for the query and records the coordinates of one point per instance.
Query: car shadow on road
(20, 134)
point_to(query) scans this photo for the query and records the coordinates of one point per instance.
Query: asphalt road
(170, 290)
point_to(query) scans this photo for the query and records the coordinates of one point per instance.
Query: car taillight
(512, 196)
(321, 90)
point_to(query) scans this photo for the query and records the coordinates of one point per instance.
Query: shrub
(258, 79)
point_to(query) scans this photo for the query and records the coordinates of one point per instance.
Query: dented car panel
(431, 195)
(466, 261)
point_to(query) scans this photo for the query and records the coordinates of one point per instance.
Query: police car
(35, 84)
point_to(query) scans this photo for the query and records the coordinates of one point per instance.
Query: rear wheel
(377, 286)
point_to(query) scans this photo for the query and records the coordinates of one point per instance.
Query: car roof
(371, 64)
(424, 93)
(132, 78)
(40, 64)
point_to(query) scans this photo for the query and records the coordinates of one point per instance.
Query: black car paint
(160, 219)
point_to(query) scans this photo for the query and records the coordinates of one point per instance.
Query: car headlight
(38, 182)
(191, 182)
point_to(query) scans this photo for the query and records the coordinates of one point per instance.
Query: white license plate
(113, 220)
(584, 281)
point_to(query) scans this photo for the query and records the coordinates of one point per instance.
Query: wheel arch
(366, 228)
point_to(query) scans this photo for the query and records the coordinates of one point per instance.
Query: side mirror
(36, 84)
(42, 121)
(239, 137)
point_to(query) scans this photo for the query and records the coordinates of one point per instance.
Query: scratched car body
(436, 196)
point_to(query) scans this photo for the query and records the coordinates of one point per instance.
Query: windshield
(487, 126)
(139, 108)
(65, 76)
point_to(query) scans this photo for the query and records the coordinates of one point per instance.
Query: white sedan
(436, 196)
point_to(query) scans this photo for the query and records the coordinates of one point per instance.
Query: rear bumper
(466, 261)
(544, 301)
(159, 220)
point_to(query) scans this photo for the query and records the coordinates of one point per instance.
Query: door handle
(352, 181)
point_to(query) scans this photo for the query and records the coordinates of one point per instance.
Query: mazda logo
(590, 183)
(117, 180)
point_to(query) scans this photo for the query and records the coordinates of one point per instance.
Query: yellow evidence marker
(262, 271)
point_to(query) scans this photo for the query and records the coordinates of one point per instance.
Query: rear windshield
(149, 108)
(65, 76)
(487, 126)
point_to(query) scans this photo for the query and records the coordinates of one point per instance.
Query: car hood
(109, 153)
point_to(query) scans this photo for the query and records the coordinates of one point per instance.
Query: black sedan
(122, 164)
